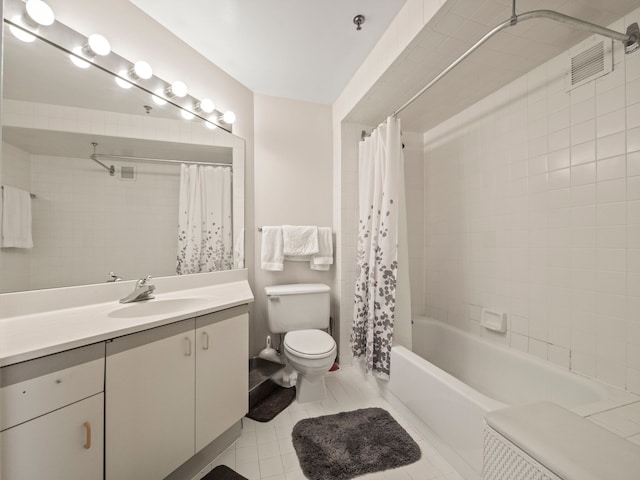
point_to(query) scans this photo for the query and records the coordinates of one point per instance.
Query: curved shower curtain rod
(630, 39)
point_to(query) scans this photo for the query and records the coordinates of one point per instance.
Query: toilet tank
(297, 307)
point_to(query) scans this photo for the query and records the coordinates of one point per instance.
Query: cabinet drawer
(63, 445)
(33, 388)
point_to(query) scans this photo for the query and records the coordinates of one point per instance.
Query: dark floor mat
(222, 472)
(272, 404)
(350, 444)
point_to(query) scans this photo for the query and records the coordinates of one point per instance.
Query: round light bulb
(142, 70)
(157, 97)
(40, 12)
(229, 117)
(78, 62)
(121, 82)
(206, 105)
(19, 33)
(99, 45)
(178, 89)
(210, 125)
(186, 114)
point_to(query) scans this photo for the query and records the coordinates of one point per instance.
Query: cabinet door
(63, 445)
(150, 402)
(222, 375)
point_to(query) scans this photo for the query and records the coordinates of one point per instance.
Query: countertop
(25, 337)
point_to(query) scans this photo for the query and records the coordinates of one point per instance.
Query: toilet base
(310, 389)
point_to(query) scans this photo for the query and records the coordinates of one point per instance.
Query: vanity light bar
(26, 20)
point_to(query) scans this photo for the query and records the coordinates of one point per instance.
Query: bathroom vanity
(114, 391)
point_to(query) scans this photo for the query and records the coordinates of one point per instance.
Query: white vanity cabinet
(51, 420)
(172, 390)
(222, 377)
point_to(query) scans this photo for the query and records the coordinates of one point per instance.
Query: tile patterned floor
(265, 450)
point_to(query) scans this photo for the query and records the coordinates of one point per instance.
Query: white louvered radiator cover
(502, 460)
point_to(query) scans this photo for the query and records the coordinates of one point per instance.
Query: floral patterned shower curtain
(205, 235)
(381, 192)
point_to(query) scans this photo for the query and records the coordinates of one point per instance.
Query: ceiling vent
(127, 172)
(590, 61)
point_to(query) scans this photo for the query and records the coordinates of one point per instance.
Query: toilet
(301, 311)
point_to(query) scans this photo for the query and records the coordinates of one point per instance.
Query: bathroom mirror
(87, 223)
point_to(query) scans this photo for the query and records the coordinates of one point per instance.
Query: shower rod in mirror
(630, 39)
(112, 169)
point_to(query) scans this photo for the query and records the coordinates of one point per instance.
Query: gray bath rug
(222, 472)
(349, 444)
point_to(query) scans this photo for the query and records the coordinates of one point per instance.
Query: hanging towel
(299, 241)
(324, 258)
(16, 218)
(272, 256)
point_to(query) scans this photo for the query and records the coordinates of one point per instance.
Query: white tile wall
(532, 207)
(81, 231)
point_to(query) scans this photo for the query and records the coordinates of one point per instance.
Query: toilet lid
(309, 343)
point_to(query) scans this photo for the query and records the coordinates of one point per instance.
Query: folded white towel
(272, 256)
(300, 240)
(16, 218)
(324, 258)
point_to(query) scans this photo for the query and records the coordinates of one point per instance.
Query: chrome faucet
(113, 277)
(143, 290)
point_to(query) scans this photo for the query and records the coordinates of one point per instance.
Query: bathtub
(462, 377)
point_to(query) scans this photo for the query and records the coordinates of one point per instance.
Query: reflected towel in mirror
(16, 218)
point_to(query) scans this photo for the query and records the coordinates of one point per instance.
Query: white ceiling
(507, 56)
(309, 50)
(299, 49)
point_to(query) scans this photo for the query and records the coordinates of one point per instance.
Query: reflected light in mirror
(122, 83)
(157, 97)
(78, 62)
(187, 115)
(39, 12)
(19, 33)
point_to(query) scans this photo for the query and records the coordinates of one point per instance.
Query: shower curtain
(205, 235)
(382, 230)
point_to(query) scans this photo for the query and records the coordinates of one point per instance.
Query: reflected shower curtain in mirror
(381, 191)
(205, 235)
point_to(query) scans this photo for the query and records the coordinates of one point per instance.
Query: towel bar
(33, 195)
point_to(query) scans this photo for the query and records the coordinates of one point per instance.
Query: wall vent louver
(590, 61)
(127, 172)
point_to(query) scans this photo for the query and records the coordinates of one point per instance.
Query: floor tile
(265, 451)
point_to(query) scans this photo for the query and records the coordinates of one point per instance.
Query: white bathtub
(462, 377)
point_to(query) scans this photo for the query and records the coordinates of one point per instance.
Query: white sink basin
(148, 308)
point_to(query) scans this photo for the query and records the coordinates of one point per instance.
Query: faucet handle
(144, 281)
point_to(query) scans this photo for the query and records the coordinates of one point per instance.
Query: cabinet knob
(87, 427)
(58, 380)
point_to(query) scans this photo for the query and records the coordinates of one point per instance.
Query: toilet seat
(310, 344)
